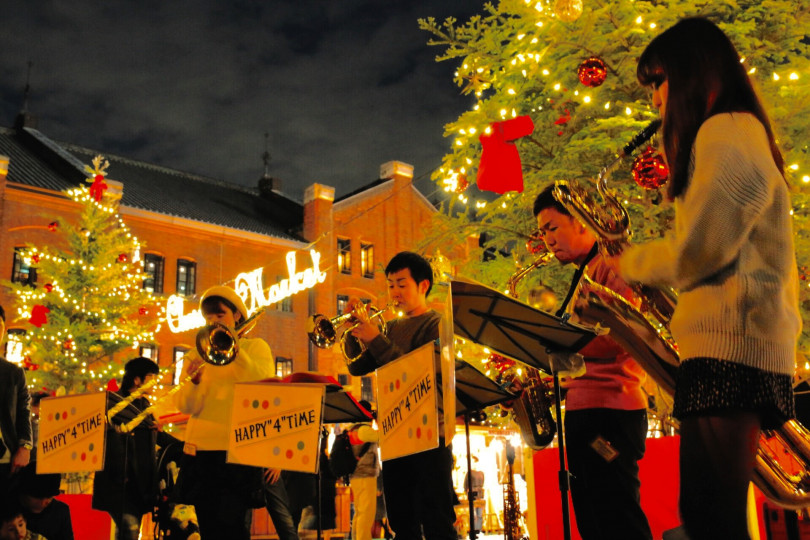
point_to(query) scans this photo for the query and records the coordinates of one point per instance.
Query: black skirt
(707, 386)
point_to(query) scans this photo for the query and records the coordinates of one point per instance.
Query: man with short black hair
(16, 439)
(418, 488)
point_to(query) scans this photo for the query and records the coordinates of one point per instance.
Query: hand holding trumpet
(365, 329)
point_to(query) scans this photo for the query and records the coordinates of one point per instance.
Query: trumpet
(323, 332)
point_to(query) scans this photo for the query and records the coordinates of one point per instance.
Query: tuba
(644, 334)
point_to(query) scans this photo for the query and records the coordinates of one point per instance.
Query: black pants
(222, 494)
(419, 495)
(605, 491)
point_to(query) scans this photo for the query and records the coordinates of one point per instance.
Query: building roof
(35, 160)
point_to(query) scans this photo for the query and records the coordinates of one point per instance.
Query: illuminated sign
(248, 285)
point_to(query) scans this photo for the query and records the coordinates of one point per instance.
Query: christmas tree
(88, 301)
(569, 66)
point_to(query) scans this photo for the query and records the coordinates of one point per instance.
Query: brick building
(200, 232)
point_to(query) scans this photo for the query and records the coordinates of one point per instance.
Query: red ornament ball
(592, 72)
(48, 287)
(53, 225)
(649, 170)
(142, 310)
(67, 344)
(123, 257)
(35, 258)
(535, 244)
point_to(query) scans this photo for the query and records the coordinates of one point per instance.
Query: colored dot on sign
(95, 459)
(84, 456)
(289, 454)
(429, 434)
(246, 403)
(74, 455)
(391, 387)
(404, 376)
(255, 403)
(300, 445)
(64, 415)
(91, 447)
(277, 401)
(57, 416)
(410, 433)
(265, 404)
(73, 410)
(304, 459)
(424, 419)
(397, 384)
(418, 433)
(276, 450)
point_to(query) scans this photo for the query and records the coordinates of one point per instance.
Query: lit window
(284, 366)
(344, 249)
(186, 277)
(14, 346)
(153, 268)
(22, 272)
(179, 354)
(367, 260)
(148, 351)
(342, 302)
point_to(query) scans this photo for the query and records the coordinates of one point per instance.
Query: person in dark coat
(15, 418)
(126, 487)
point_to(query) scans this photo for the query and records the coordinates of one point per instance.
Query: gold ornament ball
(568, 10)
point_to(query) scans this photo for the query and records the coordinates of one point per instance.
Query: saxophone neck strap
(577, 277)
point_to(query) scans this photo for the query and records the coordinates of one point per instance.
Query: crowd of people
(730, 256)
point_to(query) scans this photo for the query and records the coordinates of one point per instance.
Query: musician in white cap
(221, 492)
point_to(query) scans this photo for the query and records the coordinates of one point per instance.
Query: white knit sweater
(209, 403)
(731, 254)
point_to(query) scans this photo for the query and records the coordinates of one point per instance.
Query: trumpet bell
(321, 331)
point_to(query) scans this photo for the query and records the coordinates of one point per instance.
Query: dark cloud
(340, 86)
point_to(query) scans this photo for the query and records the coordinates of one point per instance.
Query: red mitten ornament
(98, 187)
(39, 316)
(500, 169)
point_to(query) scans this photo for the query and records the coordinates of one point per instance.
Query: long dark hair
(705, 78)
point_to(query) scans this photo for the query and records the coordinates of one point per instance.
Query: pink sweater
(612, 379)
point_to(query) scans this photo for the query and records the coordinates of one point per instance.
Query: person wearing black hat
(16, 441)
(43, 513)
(222, 493)
(126, 487)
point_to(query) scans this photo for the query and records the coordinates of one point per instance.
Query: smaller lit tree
(88, 301)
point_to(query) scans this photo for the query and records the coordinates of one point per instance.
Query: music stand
(514, 329)
(475, 391)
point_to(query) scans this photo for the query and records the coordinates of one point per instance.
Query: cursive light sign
(248, 285)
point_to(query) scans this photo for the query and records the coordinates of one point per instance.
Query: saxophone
(532, 409)
(512, 517)
(644, 334)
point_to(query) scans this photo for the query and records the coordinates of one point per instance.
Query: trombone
(217, 345)
(323, 332)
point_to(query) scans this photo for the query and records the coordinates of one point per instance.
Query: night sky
(340, 86)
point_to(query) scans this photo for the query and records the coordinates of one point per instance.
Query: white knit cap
(228, 294)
